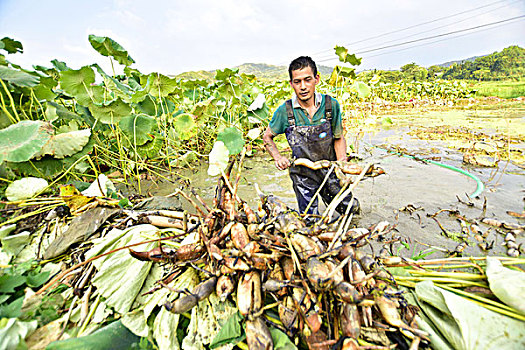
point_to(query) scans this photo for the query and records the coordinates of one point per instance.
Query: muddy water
(427, 187)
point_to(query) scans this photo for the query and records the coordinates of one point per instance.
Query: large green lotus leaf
(338, 73)
(118, 88)
(218, 158)
(193, 83)
(345, 57)
(159, 85)
(151, 148)
(507, 284)
(48, 167)
(11, 45)
(258, 115)
(109, 47)
(55, 111)
(17, 77)
(146, 106)
(66, 144)
(233, 140)
(112, 112)
(59, 65)
(137, 128)
(226, 73)
(21, 141)
(25, 188)
(119, 276)
(139, 96)
(467, 325)
(79, 84)
(43, 93)
(114, 336)
(184, 125)
(363, 90)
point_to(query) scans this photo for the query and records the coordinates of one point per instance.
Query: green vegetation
(506, 89)
(507, 65)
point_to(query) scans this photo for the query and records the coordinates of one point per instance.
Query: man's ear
(317, 78)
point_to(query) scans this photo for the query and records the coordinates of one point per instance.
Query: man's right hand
(282, 163)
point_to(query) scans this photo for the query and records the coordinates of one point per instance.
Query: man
(313, 127)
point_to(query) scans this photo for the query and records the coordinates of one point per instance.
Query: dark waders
(314, 142)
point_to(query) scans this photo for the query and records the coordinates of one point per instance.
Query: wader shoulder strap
(328, 107)
(289, 113)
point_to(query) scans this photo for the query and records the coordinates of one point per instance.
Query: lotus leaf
(151, 148)
(281, 340)
(119, 89)
(259, 115)
(257, 103)
(345, 57)
(226, 73)
(113, 336)
(184, 125)
(15, 243)
(43, 93)
(230, 332)
(48, 167)
(467, 325)
(507, 284)
(204, 324)
(159, 85)
(232, 139)
(119, 276)
(139, 96)
(109, 47)
(254, 133)
(18, 77)
(13, 331)
(79, 84)
(66, 144)
(11, 45)
(363, 90)
(219, 156)
(111, 112)
(59, 65)
(147, 105)
(55, 111)
(21, 141)
(339, 73)
(25, 188)
(100, 187)
(137, 128)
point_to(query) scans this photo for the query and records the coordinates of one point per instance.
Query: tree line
(508, 64)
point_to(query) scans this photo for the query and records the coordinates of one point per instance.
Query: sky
(172, 36)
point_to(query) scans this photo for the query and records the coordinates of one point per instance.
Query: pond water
(427, 187)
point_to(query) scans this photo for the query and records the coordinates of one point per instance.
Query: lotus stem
(487, 303)
(26, 215)
(441, 280)
(460, 275)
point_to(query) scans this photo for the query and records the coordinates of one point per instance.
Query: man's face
(303, 83)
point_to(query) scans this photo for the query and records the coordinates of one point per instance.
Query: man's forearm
(270, 145)
(340, 148)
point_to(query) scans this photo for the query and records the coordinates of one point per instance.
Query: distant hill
(450, 63)
(262, 71)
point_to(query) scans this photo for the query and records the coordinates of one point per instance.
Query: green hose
(480, 187)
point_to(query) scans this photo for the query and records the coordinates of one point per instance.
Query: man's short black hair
(300, 63)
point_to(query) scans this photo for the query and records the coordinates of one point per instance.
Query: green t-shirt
(279, 121)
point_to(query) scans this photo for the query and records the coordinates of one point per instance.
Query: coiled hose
(479, 185)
